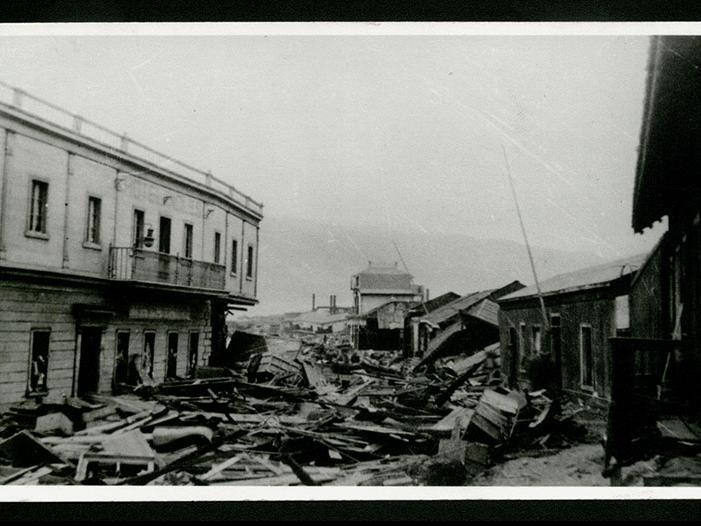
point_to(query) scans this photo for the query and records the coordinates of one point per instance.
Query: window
(138, 238)
(586, 357)
(93, 233)
(164, 235)
(192, 353)
(39, 366)
(234, 255)
(622, 313)
(38, 207)
(172, 355)
(249, 262)
(187, 249)
(149, 351)
(535, 339)
(217, 247)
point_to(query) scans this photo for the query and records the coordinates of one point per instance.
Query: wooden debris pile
(308, 418)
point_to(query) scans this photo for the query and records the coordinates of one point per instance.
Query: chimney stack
(313, 302)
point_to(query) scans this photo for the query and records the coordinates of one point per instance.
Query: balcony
(135, 264)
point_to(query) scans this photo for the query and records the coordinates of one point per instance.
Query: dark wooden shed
(583, 309)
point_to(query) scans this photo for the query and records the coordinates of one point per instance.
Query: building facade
(666, 300)
(376, 285)
(583, 309)
(113, 268)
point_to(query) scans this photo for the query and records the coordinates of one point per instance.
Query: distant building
(377, 285)
(321, 321)
(381, 328)
(115, 261)
(583, 309)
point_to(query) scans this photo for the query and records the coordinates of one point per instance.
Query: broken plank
(447, 423)
(221, 467)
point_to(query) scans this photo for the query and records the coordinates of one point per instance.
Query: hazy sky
(404, 132)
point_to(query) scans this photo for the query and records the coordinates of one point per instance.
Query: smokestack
(428, 295)
(313, 301)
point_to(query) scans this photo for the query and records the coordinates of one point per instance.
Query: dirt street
(576, 466)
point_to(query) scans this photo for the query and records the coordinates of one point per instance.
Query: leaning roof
(454, 307)
(587, 278)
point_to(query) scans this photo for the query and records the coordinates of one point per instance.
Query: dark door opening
(121, 366)
(172, 361)
(164, 235)
(89, 368)
(138, 228)
(192, 353)
(149, 352)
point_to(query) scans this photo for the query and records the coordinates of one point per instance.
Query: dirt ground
(579, 465)
(576, 466)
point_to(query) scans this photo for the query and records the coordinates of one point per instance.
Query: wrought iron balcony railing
(136, 264)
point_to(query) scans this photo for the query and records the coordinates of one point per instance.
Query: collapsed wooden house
(413, 318)
(465, 324)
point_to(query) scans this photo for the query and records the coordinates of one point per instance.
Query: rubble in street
(317, 415)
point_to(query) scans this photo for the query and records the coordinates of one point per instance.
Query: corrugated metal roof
(590, 277)
(446, 312)
(433, 304)
(486, 310)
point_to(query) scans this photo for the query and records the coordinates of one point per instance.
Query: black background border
(34, 11)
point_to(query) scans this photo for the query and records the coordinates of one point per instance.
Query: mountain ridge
(299, 257)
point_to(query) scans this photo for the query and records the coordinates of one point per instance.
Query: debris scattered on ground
(311, 414)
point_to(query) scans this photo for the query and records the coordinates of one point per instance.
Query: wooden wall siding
(684, 243)
(599, 312)
(648, 293)
(25, 306)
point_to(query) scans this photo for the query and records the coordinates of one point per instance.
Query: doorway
(121, 366)
(89, 368)
(193, 353)
(172, 360)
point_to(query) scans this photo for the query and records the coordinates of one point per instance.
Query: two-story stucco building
(116, 262)
(379, 284)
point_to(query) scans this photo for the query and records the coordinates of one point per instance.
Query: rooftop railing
(28, 103)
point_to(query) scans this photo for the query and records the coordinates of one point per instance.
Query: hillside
(301, 257)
